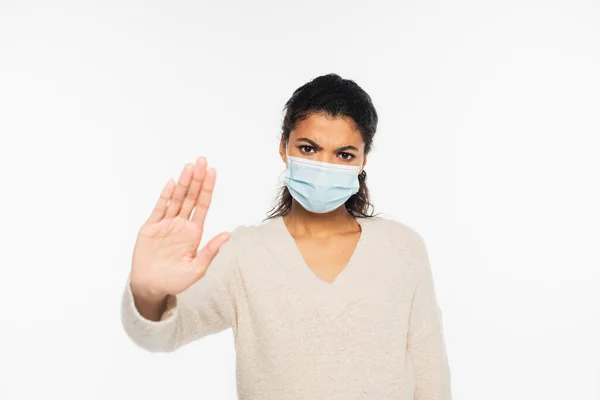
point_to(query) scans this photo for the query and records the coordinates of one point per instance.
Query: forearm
(149, 322)
(163, 324)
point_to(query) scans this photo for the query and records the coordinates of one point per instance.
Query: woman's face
(331, 140)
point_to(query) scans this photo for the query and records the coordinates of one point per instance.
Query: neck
(305, 223)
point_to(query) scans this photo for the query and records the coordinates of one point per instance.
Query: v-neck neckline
(288, 248)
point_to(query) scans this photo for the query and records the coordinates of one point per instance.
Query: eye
(350, 156)
(305, 146)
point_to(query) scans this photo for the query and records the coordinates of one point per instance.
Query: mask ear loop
(287, 162)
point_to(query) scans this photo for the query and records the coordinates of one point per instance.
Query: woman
(326, 300)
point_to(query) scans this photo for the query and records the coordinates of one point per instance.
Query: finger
(209, 251)
(180, 191)
(204, 199)
(192, 193)
(161, 206)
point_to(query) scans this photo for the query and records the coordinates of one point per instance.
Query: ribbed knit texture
(374, 333)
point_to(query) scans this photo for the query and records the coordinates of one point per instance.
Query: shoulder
(250, 235)
(402, 240)
(398, 231)
(410, 245)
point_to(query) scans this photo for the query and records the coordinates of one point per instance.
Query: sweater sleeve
(425, 343)
(206, 307)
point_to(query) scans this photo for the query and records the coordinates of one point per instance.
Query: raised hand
(166, 258)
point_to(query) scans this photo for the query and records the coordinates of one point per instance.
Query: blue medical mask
(318, 186)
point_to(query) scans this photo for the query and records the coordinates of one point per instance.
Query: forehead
(326, 130)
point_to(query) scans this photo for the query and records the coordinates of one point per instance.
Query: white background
(487, 146)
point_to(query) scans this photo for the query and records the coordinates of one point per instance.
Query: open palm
(166, 258)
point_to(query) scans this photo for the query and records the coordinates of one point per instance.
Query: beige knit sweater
(374, 333)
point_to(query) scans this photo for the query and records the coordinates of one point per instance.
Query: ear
(363, 165)
(282, 150)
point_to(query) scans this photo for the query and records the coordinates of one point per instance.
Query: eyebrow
(316, 146)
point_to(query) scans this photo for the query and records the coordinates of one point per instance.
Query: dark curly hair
(335, 97)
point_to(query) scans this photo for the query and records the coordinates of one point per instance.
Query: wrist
(146, 293)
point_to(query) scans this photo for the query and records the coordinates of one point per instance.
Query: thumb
(209, 251)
